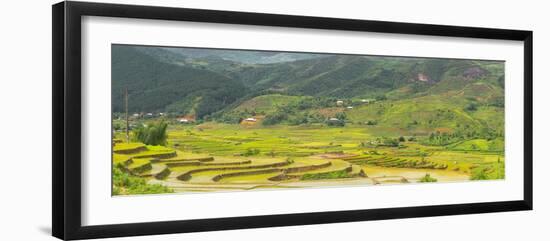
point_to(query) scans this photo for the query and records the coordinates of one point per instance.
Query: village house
(250, 119)
(186, 119)
(422, 77)
(183, 121)
(335, 122)
(367, 101)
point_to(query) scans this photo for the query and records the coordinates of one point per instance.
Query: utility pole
(127, 118)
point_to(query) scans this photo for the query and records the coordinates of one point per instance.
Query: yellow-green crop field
(231, 157)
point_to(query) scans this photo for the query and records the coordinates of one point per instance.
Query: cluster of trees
(441, 139)
(275, 118)
(387, 141)
(462, 133)
(294, 113)
(151, 133)
(279, 117)
(497, 101)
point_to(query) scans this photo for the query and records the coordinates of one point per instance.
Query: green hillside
(411, 93)
(154, 85)
(266, 103)
(346, 76)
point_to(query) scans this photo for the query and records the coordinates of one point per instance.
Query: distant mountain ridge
(242, 56)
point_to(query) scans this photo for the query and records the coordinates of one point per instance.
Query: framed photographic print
(170, 120)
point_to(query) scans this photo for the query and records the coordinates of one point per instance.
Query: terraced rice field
(216, 158)
(176, 169)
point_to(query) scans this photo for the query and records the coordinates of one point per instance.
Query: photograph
(195, 120)
(275, 120)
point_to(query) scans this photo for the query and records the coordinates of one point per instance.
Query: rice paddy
(231, 157)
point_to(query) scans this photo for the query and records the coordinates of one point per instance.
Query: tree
(152, 133)
(381, 97)
(390, 142)
(372, 122)
(275, 118)
(471, 107)
(341, 116)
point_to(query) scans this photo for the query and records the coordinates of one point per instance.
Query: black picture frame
(66, 128)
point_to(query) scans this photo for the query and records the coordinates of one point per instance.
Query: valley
(191, 120)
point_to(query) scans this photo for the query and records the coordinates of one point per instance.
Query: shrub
(251, 152)
(390, 142)
(124, 183)
(372, 123)
(427, 178)
(117, 126)
(479, 174)
(326, 175)
(470, 107)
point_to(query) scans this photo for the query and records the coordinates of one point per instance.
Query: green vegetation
(496, 145)
(427, 178)
(479, 174)
(325, 175)
(470, 107)
(168, 86)
(125, 184)
(221, 149)
(151, 134)
(264, 104)
(488, 171)
(251, 152)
